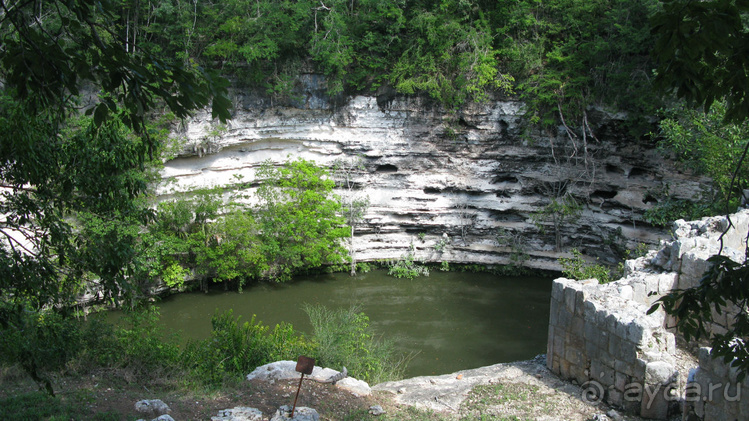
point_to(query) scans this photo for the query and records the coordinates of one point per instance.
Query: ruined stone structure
(601, 336)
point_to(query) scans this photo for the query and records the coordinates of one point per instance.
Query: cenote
(449, 320)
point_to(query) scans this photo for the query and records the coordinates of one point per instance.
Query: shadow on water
(453, 321)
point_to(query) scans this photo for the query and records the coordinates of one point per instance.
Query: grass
(41, 406)
(493, 402)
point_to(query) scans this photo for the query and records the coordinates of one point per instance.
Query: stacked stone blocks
(602, 337)
(602, 342)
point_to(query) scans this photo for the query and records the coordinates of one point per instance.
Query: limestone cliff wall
(469, 175)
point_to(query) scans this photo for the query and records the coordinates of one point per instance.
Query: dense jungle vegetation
(561, 55)
(76, 175)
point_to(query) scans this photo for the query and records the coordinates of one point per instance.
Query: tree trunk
(352, 252)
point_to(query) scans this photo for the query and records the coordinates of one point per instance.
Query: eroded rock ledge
(474, 175)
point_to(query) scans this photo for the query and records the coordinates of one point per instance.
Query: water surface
(451, 321)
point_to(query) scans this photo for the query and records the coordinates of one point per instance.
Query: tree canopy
(556, 55)
(76, 104)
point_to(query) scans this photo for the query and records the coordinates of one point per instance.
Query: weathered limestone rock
(239, 413)
(447, 392)
(152, 407)
(165, 417)
(376, 410)
(469, 175)
(301, 413)
(286, 370)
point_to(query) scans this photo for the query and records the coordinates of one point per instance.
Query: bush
(146, 347)
(345, 339)
(39, 341)
(577, 268)
(235, 349)
(406, 267)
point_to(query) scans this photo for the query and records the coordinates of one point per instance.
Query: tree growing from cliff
(561, 209)
(353, 204)
(299, 219)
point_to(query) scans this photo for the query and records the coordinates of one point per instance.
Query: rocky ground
(524, 390)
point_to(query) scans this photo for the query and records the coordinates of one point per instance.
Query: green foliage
(451, 57)
(701, 52)
(231, 250)
(576, 267)
(708, 145)
(570, 54)
(406, 267)
(236, 349)
(513, 240)
(560, 55)
(295, 227)
(40, 406)
(72, 186)
(557, 212)
(147, 347)
(443, 242)
(40, 342)
(344, 338)
(298, 216)
(670, 209)
(46, 60)
(178, 238)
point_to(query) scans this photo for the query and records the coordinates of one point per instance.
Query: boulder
(301, 413)
(152, 407)
(286, 370)
(239, 413)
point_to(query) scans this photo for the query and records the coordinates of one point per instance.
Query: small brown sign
(305, 365)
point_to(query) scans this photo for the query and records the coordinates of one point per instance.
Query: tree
(353, 206)
(702, 53)
(451, 56)
(561, 208)
(298, 217)
(702, 50)
(232, 251)
(71, 185)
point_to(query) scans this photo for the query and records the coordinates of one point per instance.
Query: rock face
(476, 176)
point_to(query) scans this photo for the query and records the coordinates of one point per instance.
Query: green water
(452, 321)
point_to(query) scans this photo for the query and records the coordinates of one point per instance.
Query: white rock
(152, 407)
(240, 413)
(301, 413)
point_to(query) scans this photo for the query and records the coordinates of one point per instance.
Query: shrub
(147, 348)
(235, 349)
(406, 267)
(345, 339)
(577, 268)
(39, 341)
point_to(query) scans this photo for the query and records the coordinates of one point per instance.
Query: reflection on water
(452, 320)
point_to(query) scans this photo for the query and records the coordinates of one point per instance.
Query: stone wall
(601, 336)
(713, 392)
